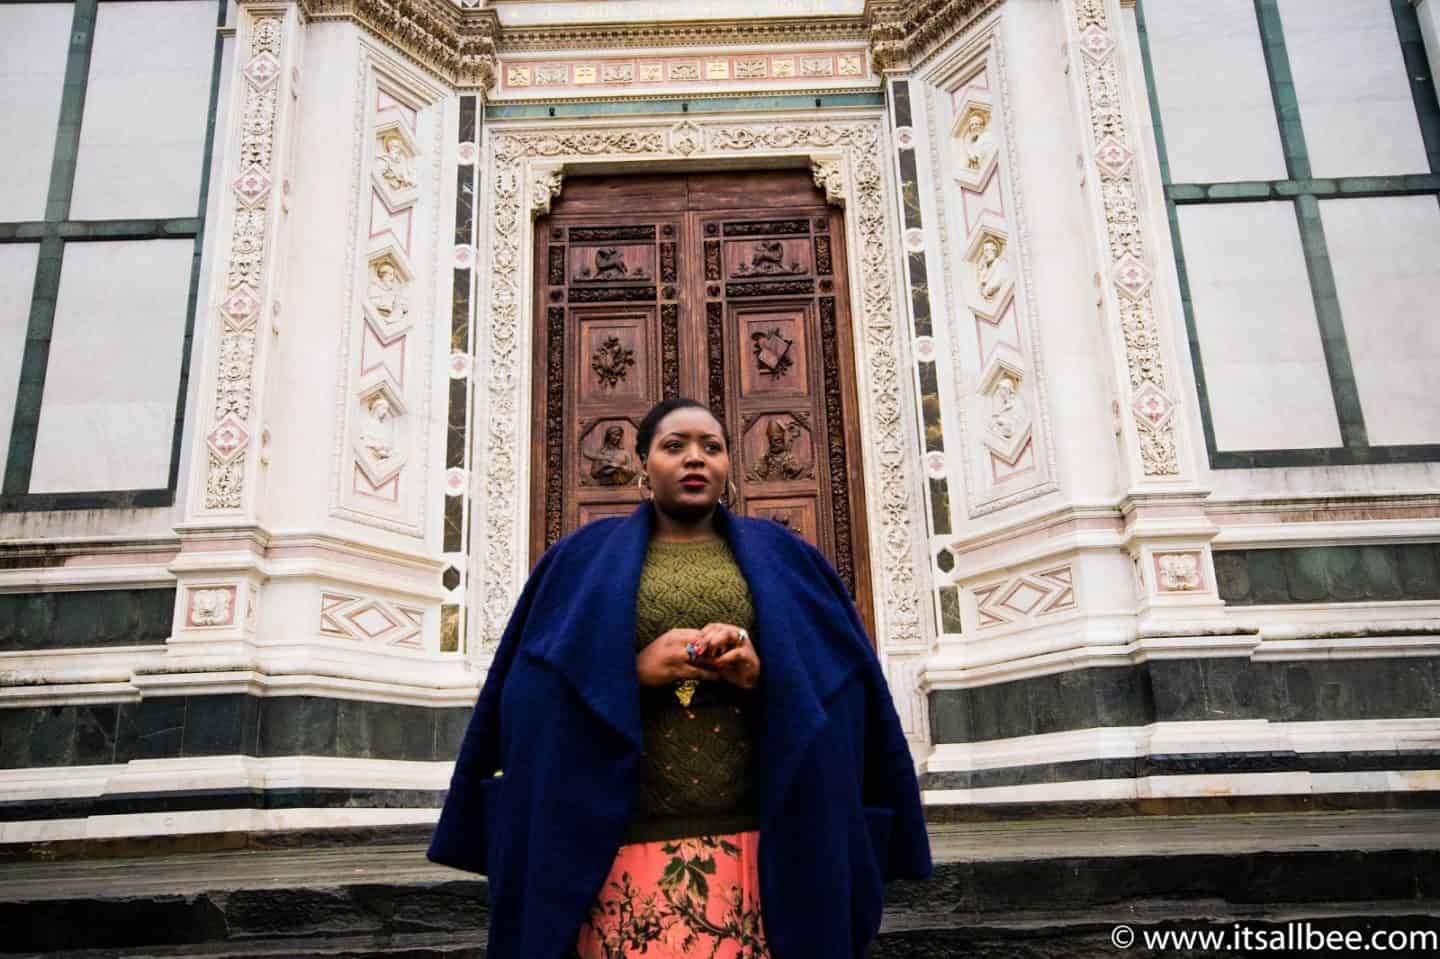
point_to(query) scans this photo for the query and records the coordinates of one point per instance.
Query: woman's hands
(722, 651)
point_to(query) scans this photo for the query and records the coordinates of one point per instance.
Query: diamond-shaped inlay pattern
(1023, 598)
(228, 437)
(372, 620)
(1152, 406)
(252, 185)
(262, 70)
(1132, 277)
(451, 577)
(1095, 43)
(240, 307)
(1112, 157)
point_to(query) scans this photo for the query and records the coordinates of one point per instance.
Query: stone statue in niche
(386, 292)
(210, 607)
(611, 464)
(779, 461)
(768, 259)
(378, 433)
(977, 141)
(991, 270)
(395, 165)
(610, 265)
(772, 352)
(610, 362)
(1008, 414)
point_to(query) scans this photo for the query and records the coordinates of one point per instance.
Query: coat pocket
(466, 829)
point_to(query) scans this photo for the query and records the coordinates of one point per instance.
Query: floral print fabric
(696, 898)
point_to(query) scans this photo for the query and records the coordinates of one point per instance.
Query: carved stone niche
(388, 281)
(395, 172)
(607, 453)
(379, 440)
(974, 144)
(1004, 411)
(777, 447)
(988, 278)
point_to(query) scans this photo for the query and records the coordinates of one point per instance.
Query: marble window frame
(1305, 192)
(52, 234)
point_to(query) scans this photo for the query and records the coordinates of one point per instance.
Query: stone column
(1166, 532)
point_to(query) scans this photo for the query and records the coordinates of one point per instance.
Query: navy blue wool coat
(560, 714)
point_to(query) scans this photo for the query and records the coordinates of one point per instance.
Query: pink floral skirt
(679, 899)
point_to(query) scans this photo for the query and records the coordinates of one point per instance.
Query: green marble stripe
(722, 104)
(1282, 89)
(1415, 184)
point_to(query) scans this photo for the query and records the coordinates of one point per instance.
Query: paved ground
(958, 843)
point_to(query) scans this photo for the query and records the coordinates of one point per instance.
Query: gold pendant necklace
(685, 690)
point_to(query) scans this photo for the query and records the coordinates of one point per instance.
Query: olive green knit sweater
(695, 775)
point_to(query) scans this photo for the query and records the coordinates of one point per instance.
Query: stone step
(1010, 888)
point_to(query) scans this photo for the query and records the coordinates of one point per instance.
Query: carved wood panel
(728, 288)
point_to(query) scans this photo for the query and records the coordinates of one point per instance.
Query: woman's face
(688, 463)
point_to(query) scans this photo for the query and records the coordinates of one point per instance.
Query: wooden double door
(726, 288)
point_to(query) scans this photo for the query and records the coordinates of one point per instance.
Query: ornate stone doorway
(726, 287)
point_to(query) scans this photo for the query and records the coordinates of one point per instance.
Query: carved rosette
(228, 440)
(856, 144)
(1151, 405)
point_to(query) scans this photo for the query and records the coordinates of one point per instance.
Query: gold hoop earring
(732, 493)
(643, 481)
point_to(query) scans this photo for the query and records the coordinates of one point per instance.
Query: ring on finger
(744, 635)
(692, 651)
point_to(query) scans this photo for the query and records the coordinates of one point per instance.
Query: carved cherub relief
(611, 464)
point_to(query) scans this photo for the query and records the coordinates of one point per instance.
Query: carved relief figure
(1179, 572)
(611, 465)
(991, 270)
(610, 362)
(610, 265)
(977, 141)
(210, 607)
(386, 292)
(768, 259)
(1008, 414)
(780, 461)
(378, 433)
(772, 352)
(395, 165)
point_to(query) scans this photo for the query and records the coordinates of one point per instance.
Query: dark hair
(645, 433)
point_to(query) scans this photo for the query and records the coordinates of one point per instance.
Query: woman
(700, 755)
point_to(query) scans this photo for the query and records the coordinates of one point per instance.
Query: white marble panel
(17, 280)
(1213, 91)
(1264, 367)
(145, 111)
(107, 417)
(1385, 253)
(34, 40)
(1355, 101)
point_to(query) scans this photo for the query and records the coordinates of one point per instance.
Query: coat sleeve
(459, 838)
(889, 777)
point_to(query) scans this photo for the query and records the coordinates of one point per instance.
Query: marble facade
(1089, 593)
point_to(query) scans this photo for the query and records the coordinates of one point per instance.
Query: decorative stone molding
(906, 32)
(1178, 572)
(210, 606)
(1005, 436)
(1150, 406)
(1025, 597)
(381, 462)
(545, 185)
(830, 176)
(699, 33)
(228, 451)
(456, 45)
(515, 153)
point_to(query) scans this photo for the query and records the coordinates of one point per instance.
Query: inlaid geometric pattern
(1025, 597)
(370, 621)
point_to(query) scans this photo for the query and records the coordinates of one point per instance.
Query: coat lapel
(590, 639)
